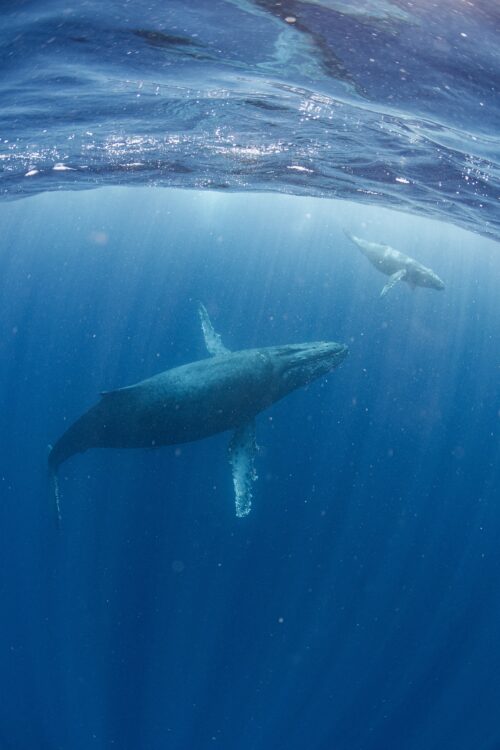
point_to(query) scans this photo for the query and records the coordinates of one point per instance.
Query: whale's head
(427, 277)
(435, 282)
(296, 365)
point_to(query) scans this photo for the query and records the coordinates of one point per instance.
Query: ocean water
(156, 155)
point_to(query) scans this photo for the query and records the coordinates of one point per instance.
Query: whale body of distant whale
(397, 265)
(194, 401)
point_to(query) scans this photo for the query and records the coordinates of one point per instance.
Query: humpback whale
(194, 401)
(397, 265)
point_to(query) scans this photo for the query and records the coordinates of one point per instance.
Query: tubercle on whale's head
(299, 364)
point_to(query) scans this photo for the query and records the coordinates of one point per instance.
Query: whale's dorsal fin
(213, 341)
(398, 276)
(242, 451)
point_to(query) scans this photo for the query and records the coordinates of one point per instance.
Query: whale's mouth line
(311, 361)
(315, 354)
(318, 347)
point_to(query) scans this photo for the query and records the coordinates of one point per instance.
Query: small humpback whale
(194, 401)
(397, 265)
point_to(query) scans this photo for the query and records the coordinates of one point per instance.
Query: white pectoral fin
(398, 276)
(213, 341)
(242, 452)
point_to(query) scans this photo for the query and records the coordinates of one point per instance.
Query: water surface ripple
(380, 101)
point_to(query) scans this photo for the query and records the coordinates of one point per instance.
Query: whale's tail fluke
(360, 244)
(54, 495)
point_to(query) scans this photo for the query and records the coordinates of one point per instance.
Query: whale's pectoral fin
(213, 341)
(398, 276)
(242, 452)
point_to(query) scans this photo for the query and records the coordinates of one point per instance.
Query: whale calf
(397, 265)
(194, 401)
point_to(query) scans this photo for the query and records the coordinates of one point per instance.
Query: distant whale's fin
(398, 276)
(242, 452)
(213, 341)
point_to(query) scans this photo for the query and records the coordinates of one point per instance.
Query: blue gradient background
(357, 607)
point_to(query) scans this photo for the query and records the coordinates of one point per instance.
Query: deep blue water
(357, 605)
(230, 145)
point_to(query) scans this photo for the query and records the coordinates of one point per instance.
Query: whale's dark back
(177, 406)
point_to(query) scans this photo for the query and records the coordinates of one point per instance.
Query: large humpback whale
(397, 265)
(200, 399)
